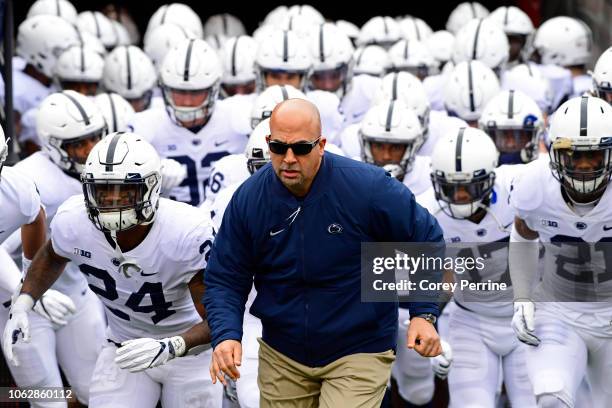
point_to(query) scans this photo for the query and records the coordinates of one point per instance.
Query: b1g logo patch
(549, 223)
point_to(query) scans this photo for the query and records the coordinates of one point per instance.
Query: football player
(469, 199)
(22, 209)
(566, 206)
(196, 129)
(144, 257)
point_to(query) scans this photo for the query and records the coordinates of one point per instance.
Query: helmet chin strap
(127, 267)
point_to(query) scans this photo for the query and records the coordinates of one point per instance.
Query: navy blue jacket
(308, 279)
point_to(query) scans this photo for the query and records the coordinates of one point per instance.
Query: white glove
(523, 322)
(441, 364)
(18, 323)
(140, 354)
(173, 173)
(55, 307)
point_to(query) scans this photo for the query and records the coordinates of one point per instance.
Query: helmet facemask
(190, 108)
(582, 170)
(460, 198)
(282, 74)
(397, 169)
(515, 145)
(118, 205)
(141, 103)
(604, 91)
(336, 80)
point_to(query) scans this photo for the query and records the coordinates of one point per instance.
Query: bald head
(296, 116)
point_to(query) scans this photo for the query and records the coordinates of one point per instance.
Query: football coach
(295, 228)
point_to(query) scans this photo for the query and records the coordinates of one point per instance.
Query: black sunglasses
(299, 148)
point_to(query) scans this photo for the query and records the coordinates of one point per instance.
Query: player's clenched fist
(225, 360)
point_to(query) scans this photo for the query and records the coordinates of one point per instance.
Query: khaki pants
(357, 380)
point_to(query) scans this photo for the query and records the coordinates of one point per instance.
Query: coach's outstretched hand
(226, 359)
(423, 338)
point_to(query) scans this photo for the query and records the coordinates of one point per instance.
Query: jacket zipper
(306, 304)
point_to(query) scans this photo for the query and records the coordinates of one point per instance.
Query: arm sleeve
(523, 264)
(229, 276)
(395, 216)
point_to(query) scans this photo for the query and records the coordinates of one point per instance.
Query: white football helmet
(306, 10)
(225, 24)
(190, 77)
(528, 78)
(67, 122)
(463, 13)
(412, 56)
(381, 31)
(161, 39)
(371, 60)
(122, 182)
(60, 8)
(238, 60)
(581, 144)
(41, 40)
(468, 88)
(88, 40)
(393, 123)
(217, 41)
(350, 29)
(563, 41)
(301, 25)
(602, 76)
(410, 91)
(514, 121)
(414, 28)
(99, 25)
(116, 111)
(129, 72)
(257, 151)
(512, 20)
(80, 69)
(123, 35)
(441, 45)
(463, 171)
(179, 14)
(332, 56)
(282, 52)
(482, 40)
(275, 16)
(267, 100)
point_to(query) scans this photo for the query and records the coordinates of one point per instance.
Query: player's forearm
(33, 235)
(46, 268)
(197, 335)
(523, 264)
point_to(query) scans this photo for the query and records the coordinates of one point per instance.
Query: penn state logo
(116, 262)
(530, 120)
(481, 232)
(335, 228)
(581, 225)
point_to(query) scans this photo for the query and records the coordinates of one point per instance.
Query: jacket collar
(318, 187)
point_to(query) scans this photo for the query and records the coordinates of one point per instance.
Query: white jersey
(359, 98)
(582, 84)
(19, 200)
(227, 171)
(328, 105)
(434, 87)
(217, 209)
(439, 125)
(418, 179)
(55, 187)
(560, 83)
(196, 151)
(537, 199)
(155, 302)
(493, 228)
(350, 142)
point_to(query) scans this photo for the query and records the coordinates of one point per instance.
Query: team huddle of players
(130, 156)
